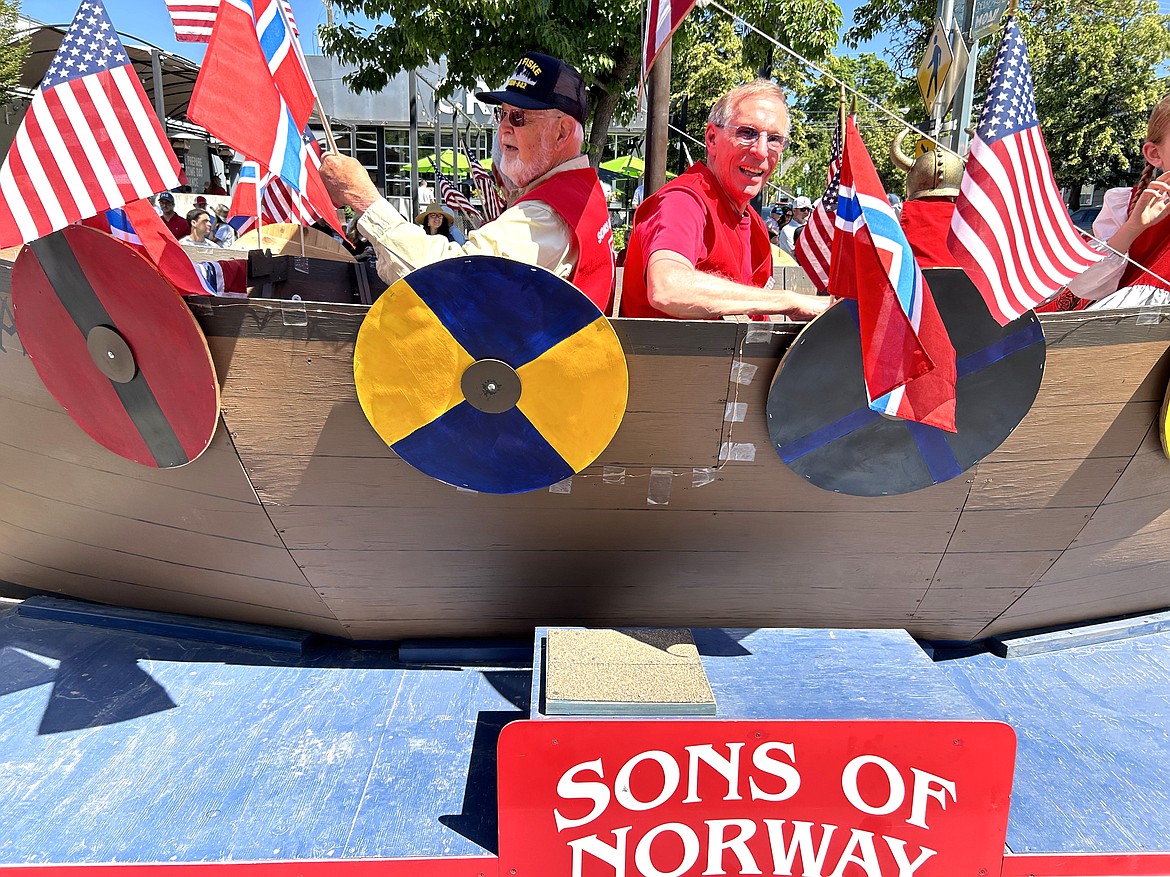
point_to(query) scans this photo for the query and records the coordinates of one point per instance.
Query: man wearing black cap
(558, 218)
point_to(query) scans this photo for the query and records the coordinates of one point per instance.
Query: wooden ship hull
(299, 515)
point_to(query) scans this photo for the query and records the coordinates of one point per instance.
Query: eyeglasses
(516, 118)
(747, 136)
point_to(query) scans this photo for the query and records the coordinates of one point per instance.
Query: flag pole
(296, 43)
(657, 121)
(259, 237)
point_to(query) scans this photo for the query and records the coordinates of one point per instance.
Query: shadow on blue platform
(478, 818)
(102, 677)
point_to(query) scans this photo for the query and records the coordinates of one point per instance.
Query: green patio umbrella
(426, 164)
(626, 165)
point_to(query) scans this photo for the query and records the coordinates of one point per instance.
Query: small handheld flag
(814, 246)
(908, 360)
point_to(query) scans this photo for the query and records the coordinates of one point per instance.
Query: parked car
(1083, 217)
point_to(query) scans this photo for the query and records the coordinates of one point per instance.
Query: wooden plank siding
(78, 520)
(299, 499)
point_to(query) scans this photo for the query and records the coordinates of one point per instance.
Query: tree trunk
(1074, 195)
(604, 99)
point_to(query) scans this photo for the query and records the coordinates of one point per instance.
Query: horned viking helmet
(934, 173)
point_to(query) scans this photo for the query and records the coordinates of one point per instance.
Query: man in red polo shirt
(558, 218)
(178, 225)
(698, 251)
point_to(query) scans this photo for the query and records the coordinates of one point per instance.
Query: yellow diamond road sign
(936, 61)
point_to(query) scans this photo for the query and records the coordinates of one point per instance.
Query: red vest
(1151, 249)
(725, 253)
(578, 199)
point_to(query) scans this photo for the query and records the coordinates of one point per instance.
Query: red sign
(669, 798)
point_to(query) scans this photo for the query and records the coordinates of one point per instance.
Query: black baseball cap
(166, 196)
(542, 82)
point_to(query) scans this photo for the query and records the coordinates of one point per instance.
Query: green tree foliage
(815, 119)
(482, 41)
(15, 50)
(710, 59)
(1096, 66)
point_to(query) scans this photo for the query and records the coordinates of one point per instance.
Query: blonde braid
(1156, 129)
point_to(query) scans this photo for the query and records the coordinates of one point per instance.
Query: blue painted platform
(1093, 742)
(118, 746)
(125, 746)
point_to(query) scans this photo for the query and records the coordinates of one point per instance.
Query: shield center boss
(491, 375)
(117, 346)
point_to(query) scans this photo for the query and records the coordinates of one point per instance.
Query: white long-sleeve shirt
(531, 232)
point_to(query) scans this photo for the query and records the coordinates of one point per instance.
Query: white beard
(523, 172)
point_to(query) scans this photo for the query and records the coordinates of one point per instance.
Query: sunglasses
(516, 118)
(747, 136)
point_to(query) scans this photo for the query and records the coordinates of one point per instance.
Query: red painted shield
(116, 346)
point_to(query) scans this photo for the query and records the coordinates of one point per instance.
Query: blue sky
(148, 20)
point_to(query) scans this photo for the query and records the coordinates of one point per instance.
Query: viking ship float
(707, 482)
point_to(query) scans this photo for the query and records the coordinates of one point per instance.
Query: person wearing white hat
(223, 233)
(801, 211)
(436, 219)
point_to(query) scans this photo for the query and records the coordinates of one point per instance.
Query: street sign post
(935, 63)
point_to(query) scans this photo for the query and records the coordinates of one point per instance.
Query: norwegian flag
(455, 199)
(89, 141)
(1010, 231)
(141, 228)
(814, 246)
(907, 358)
(279, 202)
(493, 201)
(663, 18)
(263, 127)
(285, 60)
(193, 19)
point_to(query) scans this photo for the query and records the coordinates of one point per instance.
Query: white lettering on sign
(792, 853)
(724, 771)
(670, 780)
(598, 793)
(894, 799)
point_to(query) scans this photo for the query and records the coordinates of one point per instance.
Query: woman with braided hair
(1131, 222)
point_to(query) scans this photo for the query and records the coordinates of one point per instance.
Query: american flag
(278, 202)
(663, 18)
(455, 199)
(193, 19)
(907, 357)
(814, 246)
(1010, 231)
(493, 201)
(89, 141)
